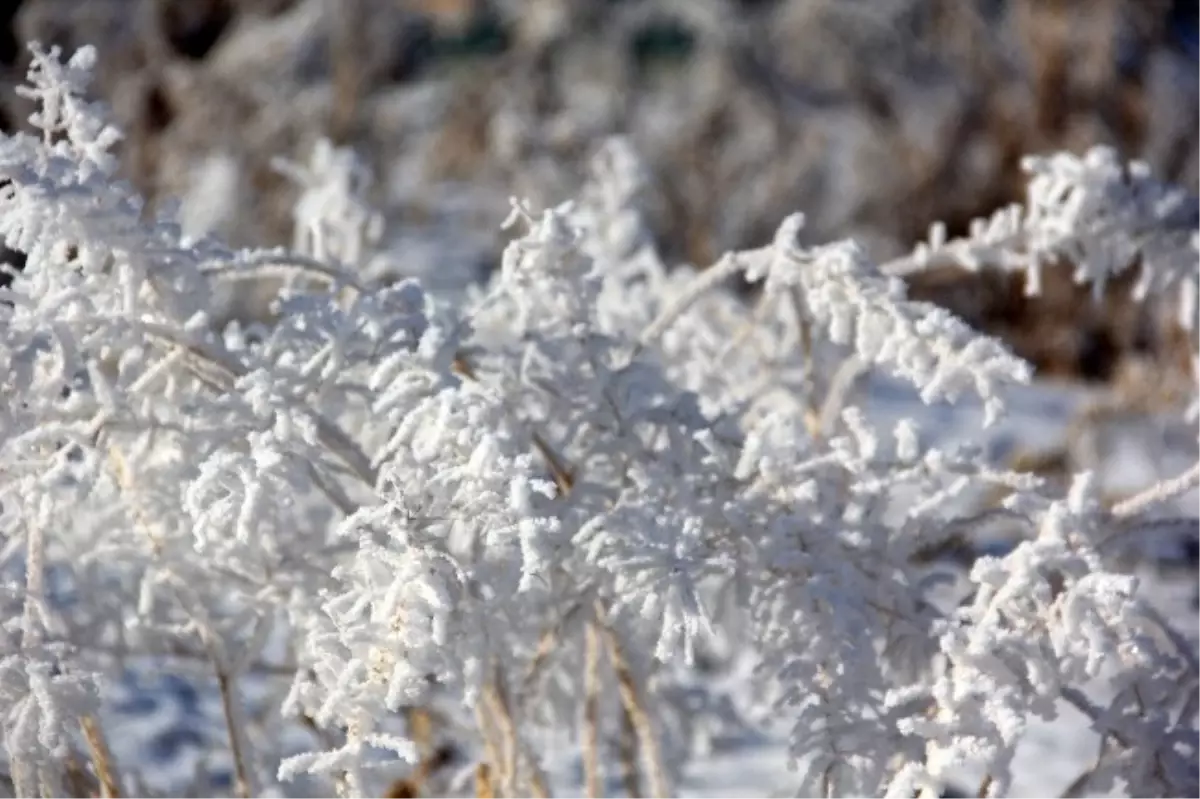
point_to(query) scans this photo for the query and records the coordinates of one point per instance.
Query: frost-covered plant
(591, 458)
(1096, 212)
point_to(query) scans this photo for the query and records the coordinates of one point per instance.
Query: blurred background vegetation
(873, 117)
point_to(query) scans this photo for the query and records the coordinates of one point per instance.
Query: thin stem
(591, 710)
(564, 479)
(93, 734)
(1160, 492)
(847, 376)
(76, 779)
(484, 785)
(30, 779)
(1007, 254)
(514, 752)
(812, 416)
(506, 730)
(238, 746)
(219, 372)
(547, 642)
(722, 270)
(1079, 783)
(639, 716)
(627, 753)
(484, 780)
(35, 583)
(262, 264)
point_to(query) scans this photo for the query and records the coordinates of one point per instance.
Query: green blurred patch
(661, 43)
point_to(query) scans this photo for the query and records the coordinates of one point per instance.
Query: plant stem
(237, 744)
(639, 717)
(93, 734)
(591, 711)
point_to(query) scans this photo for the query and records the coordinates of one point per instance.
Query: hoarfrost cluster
(410, 506)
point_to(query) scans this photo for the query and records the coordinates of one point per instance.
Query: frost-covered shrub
(591, 458)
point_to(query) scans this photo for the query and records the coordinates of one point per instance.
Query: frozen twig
(231, 710)
(101, 757)
(1163, 491)
(591, 711)
(635, 706)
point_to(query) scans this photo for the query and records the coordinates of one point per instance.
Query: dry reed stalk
(564, 479)
(591, 711)
(420, 725)
(506, 764)
(639, 716)
(513, 751)
(484, 786)
(627, 753)
(76, 779)
(242, 784)
(101, 756)
(491, 751)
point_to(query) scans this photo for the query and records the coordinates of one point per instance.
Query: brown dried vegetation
(875, 119)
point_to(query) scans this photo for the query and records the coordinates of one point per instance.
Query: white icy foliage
(434, 507)
(1041, 622)
(857, 305)
(333, 219)
(1096, 212)
(456, 538)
